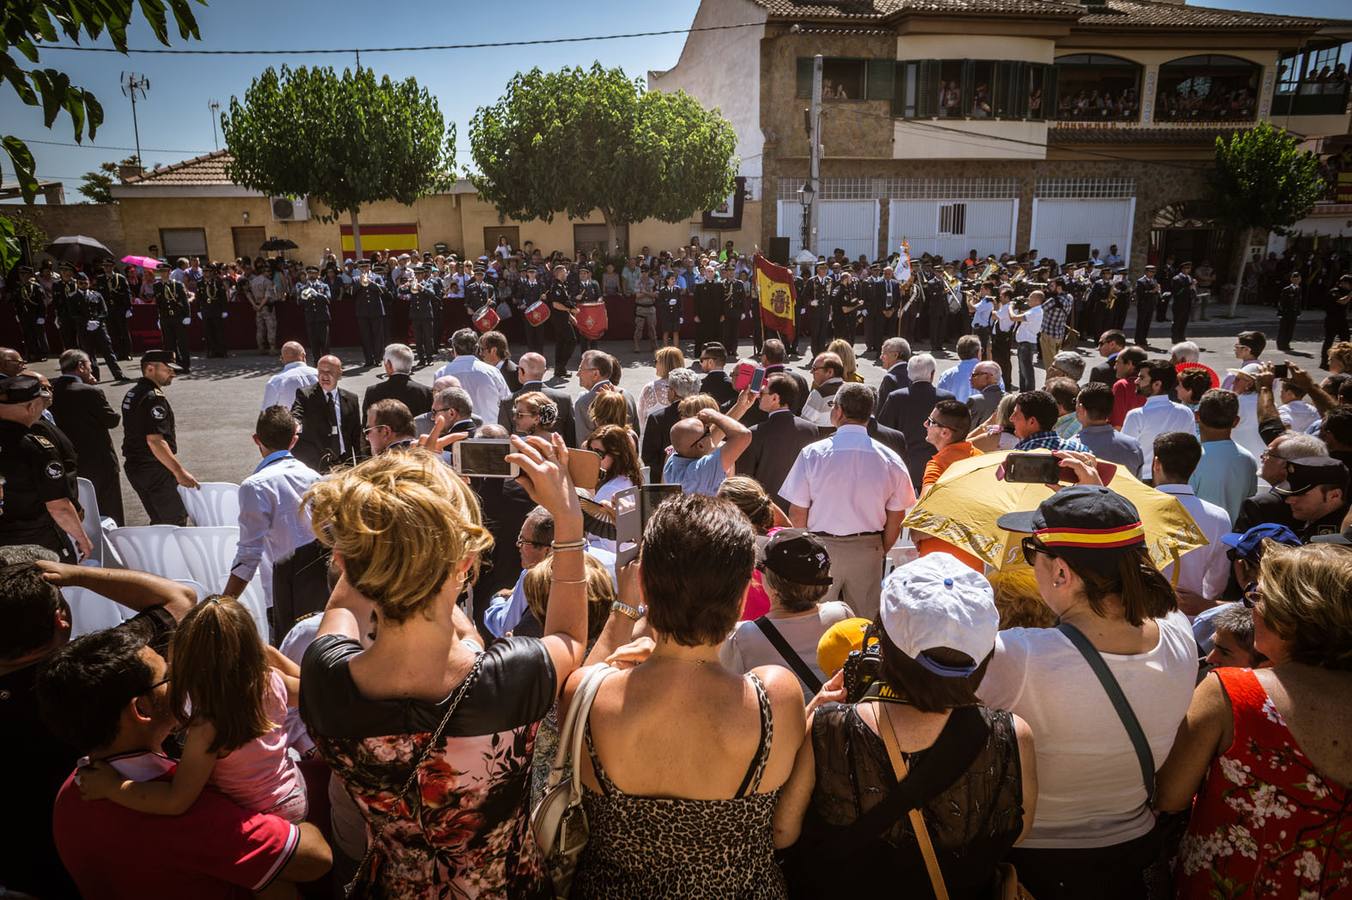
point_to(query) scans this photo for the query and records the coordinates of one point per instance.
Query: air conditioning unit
(290, 209)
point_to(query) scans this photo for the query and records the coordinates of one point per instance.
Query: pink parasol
(145, 262)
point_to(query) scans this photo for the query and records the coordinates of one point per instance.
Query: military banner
(774, 286)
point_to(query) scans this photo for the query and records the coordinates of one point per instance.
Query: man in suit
(494, 351)
(986, 393)
(596, 369)
(889, 437)
(399, 383)
(532, 371)
(681, 383)
(716, 382)
(1110, 343)
(82, 413)
(896, 351)
(776, 441)
(505, 506)
(906, 410)
(330, 421)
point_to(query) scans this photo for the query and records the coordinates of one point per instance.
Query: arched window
(1208, 89)
(1095, 87)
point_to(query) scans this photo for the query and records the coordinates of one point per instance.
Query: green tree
(1262, 180)
(97, 186)
(579, 140)
(345, 141)
(24, 26)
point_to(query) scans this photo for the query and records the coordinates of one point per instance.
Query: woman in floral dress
(1266, 751)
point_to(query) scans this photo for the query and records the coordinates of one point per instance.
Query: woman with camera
(1104, 691)
(915, 785)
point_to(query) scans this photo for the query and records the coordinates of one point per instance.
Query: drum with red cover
(486, 319)
(591, 320)
(537, 313)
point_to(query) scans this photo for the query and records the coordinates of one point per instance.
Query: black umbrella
(279, 244)
(78, 249)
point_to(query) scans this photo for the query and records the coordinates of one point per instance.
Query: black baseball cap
(19, 389)
(1083, 522)
(798, 556)
(1309, 472)
(161, 356)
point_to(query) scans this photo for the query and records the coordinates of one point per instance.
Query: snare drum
(537, 313)
(591, 320)
(486, 319)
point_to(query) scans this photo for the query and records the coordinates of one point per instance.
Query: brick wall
(102, 221)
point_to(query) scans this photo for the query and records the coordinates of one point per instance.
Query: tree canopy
(345, 140)
(97, 186)
(579, 140)
(24, 26)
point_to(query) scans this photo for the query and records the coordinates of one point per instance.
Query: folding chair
(214, 503)
(150, 548)
(209, 552)
(90, 612)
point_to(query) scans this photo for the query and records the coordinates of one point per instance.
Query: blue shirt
(505, 612)
(695, 476)
(1227, 475)
(1106, 442)
(958, 380)
(272, 519)
(1050, 440)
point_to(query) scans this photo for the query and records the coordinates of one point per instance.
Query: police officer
(478, 293)
(845, 304)
(870, 289)
(31, 304)
(528, 291)
(1289, 302)
(563, 318)
(369, 297)
(816, 315)
(889, 305)
(422, 314)
(1147, 293)
(315, 300)
(734, 309)
(1335, 317)
(214, 301)
(37, 508)
(586, 291)
(91, 318)
(171, 298)
(708, 293)
(116, 291)
(149, 443)
(63, 304)
(1184, 289)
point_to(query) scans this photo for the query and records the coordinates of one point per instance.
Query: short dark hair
(1117, 336)
(832, 361)
(465, 342)
(1218, 409)
(28, 606)
(1163, 371)
(84, 687)
(784, 387)
(394, 414)
(1039, 406)
(955, 415)
(696, 605)
(1197, 381)
(773, 351)
(922, 688)
(1179, 452)
(1254, 340)
(275, 428)
(856, 402)
(496, 340)
(1338, 425)
(1097, 400)
(1130, 575)
(1064, 391)
(1333, 384)
(791, 595)
(715, 351)
(1134, 355)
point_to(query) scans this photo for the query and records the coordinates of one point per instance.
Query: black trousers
(535, 336)
(158, 491)
(565, 339)
(300, 584)
(1334, 330)
(1178, 330)
(216, 346)
(175, 335)
(938, 320)
(1002, 344)
(1104, 873)
(97, 343)
(708, 330)
(35, 341)
(119, 329)
(844, 326)
(102, 472)
(1286, 330)
(873, 325)
(821, 327)
(371, 330)
(44, 533)
(425, 339)
(70, 336)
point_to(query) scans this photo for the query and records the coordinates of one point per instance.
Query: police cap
(160, 356)
(19, 389)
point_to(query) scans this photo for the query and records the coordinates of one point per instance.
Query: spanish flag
(774, 286)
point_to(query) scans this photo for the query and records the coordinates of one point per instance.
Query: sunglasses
(1031, 548)
(521, 542)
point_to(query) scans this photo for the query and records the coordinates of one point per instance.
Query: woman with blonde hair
(424, 699)
(609, 408)
(656, 394)
(845, 351)
(533, 413)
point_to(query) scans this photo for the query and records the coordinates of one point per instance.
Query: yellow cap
(837, 642)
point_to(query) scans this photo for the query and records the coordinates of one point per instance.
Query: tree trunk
(1241, 255)
(356, 236)
(610, 235)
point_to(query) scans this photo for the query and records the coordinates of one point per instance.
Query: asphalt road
(217, 404)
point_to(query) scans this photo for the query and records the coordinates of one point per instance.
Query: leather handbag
(558, 821)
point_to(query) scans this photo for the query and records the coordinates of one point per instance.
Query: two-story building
(1002, 125)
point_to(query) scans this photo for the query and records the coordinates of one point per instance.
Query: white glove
(92, 325)
(225, 315)
(199, 315)
(187, 320)
(128, 314)
(41, 320)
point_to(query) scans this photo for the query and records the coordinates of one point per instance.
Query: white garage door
(1062, 227)
(952, 227)
(851, 225)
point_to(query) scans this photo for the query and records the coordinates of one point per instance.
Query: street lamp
(806, 194)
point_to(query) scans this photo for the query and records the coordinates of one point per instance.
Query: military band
(116, 291)
(213, 301)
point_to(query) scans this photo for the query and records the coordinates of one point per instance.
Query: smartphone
(633, 508)
(1032, 468)
(1281, 370)
(757, 380)
(484, 458)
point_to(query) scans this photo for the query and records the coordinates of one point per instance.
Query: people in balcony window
(981, 103)
(950, 99)
(1035, 103)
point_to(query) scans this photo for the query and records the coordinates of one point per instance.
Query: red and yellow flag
(774, 286)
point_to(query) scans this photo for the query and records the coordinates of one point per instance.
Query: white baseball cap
(937, 601)
(1250, 370)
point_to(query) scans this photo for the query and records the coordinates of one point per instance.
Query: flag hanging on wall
(774, 286)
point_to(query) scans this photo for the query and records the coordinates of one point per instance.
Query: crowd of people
(778, 683)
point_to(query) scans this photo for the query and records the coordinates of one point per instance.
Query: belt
(827, 534)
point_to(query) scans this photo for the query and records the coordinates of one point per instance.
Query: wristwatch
(625, 609)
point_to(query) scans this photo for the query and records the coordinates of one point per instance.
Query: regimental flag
(903, 272)
(774, 286)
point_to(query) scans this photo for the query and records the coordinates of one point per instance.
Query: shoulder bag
(787, 653)
(559, 822)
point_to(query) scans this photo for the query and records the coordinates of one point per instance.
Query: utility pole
(132, 84)
(215, 107)
(815, 148)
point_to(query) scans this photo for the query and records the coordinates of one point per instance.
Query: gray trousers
(856, 571)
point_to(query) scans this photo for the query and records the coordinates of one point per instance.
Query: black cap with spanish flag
(1080, 520)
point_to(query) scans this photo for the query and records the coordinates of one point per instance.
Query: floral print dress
(1265, 823)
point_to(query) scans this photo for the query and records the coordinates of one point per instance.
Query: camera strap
(788, 654)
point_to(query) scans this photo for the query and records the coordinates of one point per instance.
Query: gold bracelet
(579, 544)
(567, 581)
(630, 612)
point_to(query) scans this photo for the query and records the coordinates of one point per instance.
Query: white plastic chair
(95, 525)
(209, 552)
(90, 612)
(202, 592)
(150, 548)
(214, 503)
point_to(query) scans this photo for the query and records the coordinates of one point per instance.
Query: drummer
(588, 291)
(562, 316)
(529, 292)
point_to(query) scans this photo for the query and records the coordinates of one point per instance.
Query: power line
(89, 146)
(189, 51)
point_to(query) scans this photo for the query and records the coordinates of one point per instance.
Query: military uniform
(63, 304)
(708, 313)
(116, 291)
(1147, 293)
(478, 294)
(1184, 288)
(146, 411)
(527, 293)
(734, 310)
(1288, 311)
(422, 303)
(31, 305)
(669, 311)
(815, 318)
(370, 308)
(91, 315)
(214, 301)
(871, 292)
(588, 291)
(562, 307)
(171, 297)
(315, 299)
(845, 303)
(34, 476)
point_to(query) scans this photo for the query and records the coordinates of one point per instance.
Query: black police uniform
(31, 305)
(314, 300)
(1288, 311)
(669, 310)
(845, 302)
(146, 411)
(91, 318)
(422, 315)
(116, 291)
(1335, 320)
(63, 304)
(1184, 289)
(588, 291)
(34, 475)
(1147, 291)
(561, 308)
(734, 309)
(708, 313)
(370, 308)
(172, 299)
(214, 301)
(816, 317)
(527, 294)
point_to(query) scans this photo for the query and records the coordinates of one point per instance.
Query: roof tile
(1112, 13)
(208, 169)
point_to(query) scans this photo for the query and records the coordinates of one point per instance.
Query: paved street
(217, 404)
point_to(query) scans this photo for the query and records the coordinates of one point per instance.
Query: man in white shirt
(852, 492)
(1203, 573)
(1159, 415)
(1245, 387)
(1028, 325)
(296, 375)
(484, 383)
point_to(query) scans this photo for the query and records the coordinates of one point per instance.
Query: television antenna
(134, 83)
(215, 107)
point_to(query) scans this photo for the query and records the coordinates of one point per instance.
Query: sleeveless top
(973, 822)
(1265, 823)
(673, 847)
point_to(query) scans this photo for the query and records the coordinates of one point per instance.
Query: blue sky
(175, 115)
